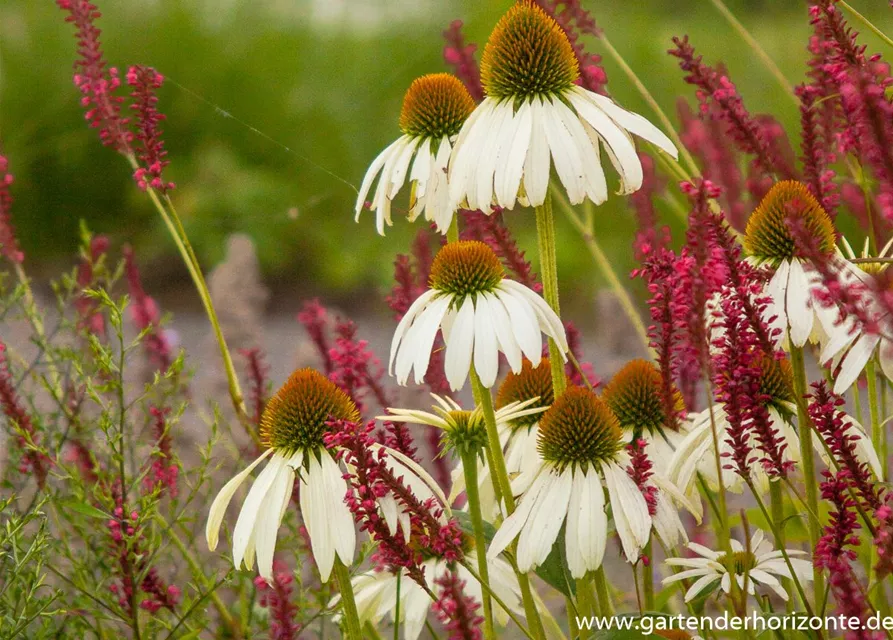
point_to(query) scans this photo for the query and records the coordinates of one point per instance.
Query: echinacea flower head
(434, 109)
(535, 114)
(583, 453)
(757, 565)
(533, 384)
(480, 313)
(768, 241)
(292, 427)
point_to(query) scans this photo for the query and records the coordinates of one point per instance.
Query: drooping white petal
(405, 322)
(372, 172)
(314, 502)
(221, 502)
(544, 523)
(401, 165)
(537, 163)
(511, 168)
(700, 584)
(269, 519)
(632, 122)
(341, 526)
(459, 346)
(515, 523)
(419, 176)
(466, 149)
(854, 362)
(629, 509)
(486, 346)
(243, 534)
(481, 196)
(524, 325)
(501, 324)
(548, 321)
(565, 151)
(800, 313)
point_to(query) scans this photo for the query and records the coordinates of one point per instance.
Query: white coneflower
(292, 428)
(696, 454)
(480, 312)
(581, 444)
(466, 431)
(534, 114)
(434, 108)
(769, 243)
(849, 345)
(761, 565)
(376, 593)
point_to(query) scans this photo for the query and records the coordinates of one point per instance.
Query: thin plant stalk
(470, 469)
(586, 600)
(545, 231)
(752, 42)
(351, 618)
(604, 265)
(501, 481)
(868, 23)
(808, 465)
(606, 606)
(648, 577)
(874, 411)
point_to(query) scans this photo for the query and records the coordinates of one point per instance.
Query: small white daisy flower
(582, 450)
(768, 242)
(376, 593)
(535, 115)
(760, 566)
(480, 313)
(292, 428)
(466, 431)
(849, 345)
(434, 108)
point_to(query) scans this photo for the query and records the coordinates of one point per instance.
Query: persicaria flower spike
(293, 426)
(481, 314)
(9, 245)
(434, 109)
(581, 444)
(534, 114)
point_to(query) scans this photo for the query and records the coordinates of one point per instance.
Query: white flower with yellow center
(292, 428)
(466, 431)
(758, 566)
(582, 450)
(635, 395)
(768, 241)
(480, 313)
(376, 593)
(850, 345)
(535, 115)
(434, 108)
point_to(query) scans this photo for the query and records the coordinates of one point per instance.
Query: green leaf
(84, 509)
(464, 520)
(553, 571)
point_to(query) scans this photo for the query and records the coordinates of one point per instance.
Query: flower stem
(877, 437)
(870, 25)
(648, 577)
(604, 596)
(348, 603)
(470, 468)
(545, 229)
(504, 486)
(587, 603)
(808, 464)
(764, 57)
(604, 265)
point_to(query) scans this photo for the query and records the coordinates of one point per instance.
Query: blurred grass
(324, 79)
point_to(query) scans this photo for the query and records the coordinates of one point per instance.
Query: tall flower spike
(768, 241)
(534, 114)
(480, 312)
(292, 428)
(434, 109)
(581, 444)
(9, 245)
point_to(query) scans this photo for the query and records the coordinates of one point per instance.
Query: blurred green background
(324, 78)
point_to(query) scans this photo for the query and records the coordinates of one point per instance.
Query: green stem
(348, 603)
(873, 410)
(604, 596)
(504, 486)
(808, 465)
(776, 505)
(648, 577)
(857, 403)
(470, 468)
(770, 65)
(587, 605)
(545, 228)
(871, 27)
